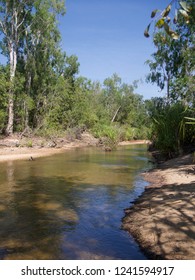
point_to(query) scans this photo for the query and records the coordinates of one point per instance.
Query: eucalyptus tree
(173, 65)
(4, 86)
(42, 57)
(13, 15)
(17, 20)
(61, 96)
(165, 62)
(112, 96)
(173, 62)
(164, 20)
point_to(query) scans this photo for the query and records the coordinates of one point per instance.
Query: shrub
(29, 143)
(108, 135)
(168, 128)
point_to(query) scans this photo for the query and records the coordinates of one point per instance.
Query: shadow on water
(65, 217)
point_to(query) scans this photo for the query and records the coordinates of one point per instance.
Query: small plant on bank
(191, 121)
(29, 143)
(109, 136)
(169, 132)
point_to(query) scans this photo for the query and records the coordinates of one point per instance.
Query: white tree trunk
(114, 117)
(28, 87)
(13, 63)
(12, 38)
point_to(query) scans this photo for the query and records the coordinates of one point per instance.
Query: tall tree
(12, 18)
(42, 58)
(16, 19)
(173, 62)
(112, 95)
(162, 19)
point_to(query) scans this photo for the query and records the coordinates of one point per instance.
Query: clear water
(70, 206)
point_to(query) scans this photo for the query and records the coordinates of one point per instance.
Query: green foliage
(168, 126)
(4, 86)
(172, 65)
(31, 42)
(188, 127)
(190, 120)
(172, 68)
(127, 132)
(48, 96)
(75, 133)
(103, 130)
(162, 19)
(108, 134)
(29, 143)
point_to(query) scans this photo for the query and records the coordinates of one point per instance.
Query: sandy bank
(17, 153)
(26, 153)
(134, 142)
(162, 220)
(13, 148)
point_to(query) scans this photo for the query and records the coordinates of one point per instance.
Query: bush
(75, 133)
(168, 128)
(128, 133)
(49, 133)
(3, 117)
(108, 135)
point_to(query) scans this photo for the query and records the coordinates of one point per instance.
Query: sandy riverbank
(162, 220)
(7, 154)
(14, 148)
(9, 151)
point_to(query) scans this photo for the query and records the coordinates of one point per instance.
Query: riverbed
(70, 205)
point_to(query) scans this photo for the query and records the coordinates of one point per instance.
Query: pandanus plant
(191, 121)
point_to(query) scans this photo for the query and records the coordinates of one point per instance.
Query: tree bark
(28, 87)
(168, 86)
(13, 63)
(114, 117)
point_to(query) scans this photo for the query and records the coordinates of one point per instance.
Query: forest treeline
(41, 91)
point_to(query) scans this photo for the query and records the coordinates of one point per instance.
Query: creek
(70, 205)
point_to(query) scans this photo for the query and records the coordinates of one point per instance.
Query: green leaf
(167, 28)
(175, 36)
(170, 32)
(184, 6)
(160, 23)
(153, 14)
(146, 32)
(185, 15)
(188, 118)
(166, 11)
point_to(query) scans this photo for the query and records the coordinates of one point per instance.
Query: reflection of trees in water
(10, 172)
(62, 217)
(44, 213)
(35, 218)
(7, 191)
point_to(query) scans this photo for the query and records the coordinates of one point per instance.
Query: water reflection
(70, 206)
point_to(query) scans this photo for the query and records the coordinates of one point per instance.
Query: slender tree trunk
(28, 87)
(168, 86)
(13, 62)
(114, 117)
(26, 118)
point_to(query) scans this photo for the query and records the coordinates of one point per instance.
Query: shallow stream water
(70, 206)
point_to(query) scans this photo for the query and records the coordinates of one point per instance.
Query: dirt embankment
(16, 148)
(162, 219)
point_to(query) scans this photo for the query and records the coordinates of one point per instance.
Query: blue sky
(107, 36)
